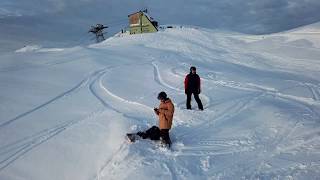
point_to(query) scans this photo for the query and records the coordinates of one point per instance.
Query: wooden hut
(141, 22)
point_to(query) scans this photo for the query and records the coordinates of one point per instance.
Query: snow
(64, 111)
(36, 48)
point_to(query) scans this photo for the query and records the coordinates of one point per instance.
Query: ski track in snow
(38, 65)
(306, 102)
(273, 149)
(17, 149)
(111, 161)
(213, 148)
(201, 150)
(314, 90)
(65, 94)
(106, 97)
(188, 143)
(159, 80)
(204, 148)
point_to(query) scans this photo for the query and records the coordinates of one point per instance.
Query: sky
(64, 21)
(72, 107)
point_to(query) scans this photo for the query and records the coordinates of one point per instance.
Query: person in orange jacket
(192, 85)
(165, 113)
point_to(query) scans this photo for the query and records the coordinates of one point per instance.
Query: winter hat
(162, 96)
(192, 68)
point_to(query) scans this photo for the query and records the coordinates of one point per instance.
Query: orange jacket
(165, 113)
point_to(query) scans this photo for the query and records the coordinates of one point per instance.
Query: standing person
(192, 85)
(165, 113)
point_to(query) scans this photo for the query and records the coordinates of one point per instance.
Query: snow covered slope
(64, 112)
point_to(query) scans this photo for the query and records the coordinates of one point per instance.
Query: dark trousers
(164, 135)
(154, 133)
(196, 97)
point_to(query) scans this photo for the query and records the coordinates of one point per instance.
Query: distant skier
(165, 113)
(192, 86)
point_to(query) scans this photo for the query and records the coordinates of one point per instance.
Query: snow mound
(37, 48)
(308, 29)
(64, 115)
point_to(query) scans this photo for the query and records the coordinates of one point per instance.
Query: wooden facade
(140, 22)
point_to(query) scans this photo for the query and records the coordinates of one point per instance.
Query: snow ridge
(72, 108)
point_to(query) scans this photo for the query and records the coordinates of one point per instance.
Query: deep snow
(64, 112)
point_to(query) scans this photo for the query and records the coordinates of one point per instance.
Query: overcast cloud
(67, 19)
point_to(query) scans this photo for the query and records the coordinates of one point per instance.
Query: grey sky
(68, 19)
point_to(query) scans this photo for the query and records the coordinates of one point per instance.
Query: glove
(156, 110)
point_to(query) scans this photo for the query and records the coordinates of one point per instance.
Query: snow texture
(64, 113)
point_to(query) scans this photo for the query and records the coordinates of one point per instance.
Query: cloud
(250, 16)
(69, 19)
(7, 13)
(30, 8)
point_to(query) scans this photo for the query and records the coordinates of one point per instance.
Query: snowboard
(132, 137)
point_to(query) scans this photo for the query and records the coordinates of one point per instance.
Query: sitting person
(165, 114)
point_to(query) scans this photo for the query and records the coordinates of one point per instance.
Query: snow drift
(64, 112)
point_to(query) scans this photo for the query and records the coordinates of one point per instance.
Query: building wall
(134, 19)
(136, 28)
